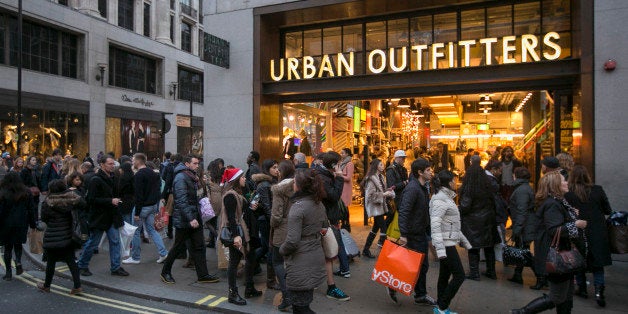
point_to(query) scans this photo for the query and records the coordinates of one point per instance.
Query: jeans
(280, 270)
(113, 235)
(147, 218)
(420, 245)
(234, 260)
(197, 250)
(449, 267)
(66, 255)
(598, 277)
(343, 259)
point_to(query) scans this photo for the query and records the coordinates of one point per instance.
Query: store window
(196, 138)
(132, 71)
(190, 85)
(294, 44)
(45, 130)
(125, 13)
(186, 37)
(147, 19)
(352, 42)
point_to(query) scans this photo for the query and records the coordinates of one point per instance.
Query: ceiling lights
(403, 103)
(523, 102)
(485, 100)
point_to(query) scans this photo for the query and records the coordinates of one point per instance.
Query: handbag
(559, 262)
(330, 245)
(160, 220)
(397, 267)
(226, 237)
(79, 230)
(517, 255)
(207, 211)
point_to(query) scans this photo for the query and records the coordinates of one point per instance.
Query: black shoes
(367, 253)
(285, 305)
(18, 269)
(490, 274)
(537, 305)
(235, 298)
(473, 276)
(582, 291)
(119, 272)
(85, 272)
(393, 295)
(208, 279)
(8, 276)
(167, 278)
(251, 292)
(599, 296)
(272, 284)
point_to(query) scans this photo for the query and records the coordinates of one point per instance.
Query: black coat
(333, 190)
(521, 207)
(593, 212)
(126, 187)
(477, 214)
(186, 206)
(102, 213)
(414, 211)
(551, 215)
(15, 218)
(397, 175)
(56, 212)
(501, 214)
(30, 177)
(48, 173)
(263, 183)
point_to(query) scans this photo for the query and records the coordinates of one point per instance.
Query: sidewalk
(485, 296)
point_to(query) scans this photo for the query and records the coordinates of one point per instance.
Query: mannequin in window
(141, 137)
(305, 146)
(289, 149)
(197, 143)
(132, 138)
(54, 137)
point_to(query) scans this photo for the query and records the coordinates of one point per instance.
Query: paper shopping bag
(397, 267)
(393, 229)
(36, 241)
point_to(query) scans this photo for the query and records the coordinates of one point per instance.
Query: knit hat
(551, 162)
(6, 155)
(230, 175)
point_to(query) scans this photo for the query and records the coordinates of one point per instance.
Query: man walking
(396, 179)
(147, 196)
(187, 222)
(103, 217)
(51, 170)
(252, 161)
(414, 223)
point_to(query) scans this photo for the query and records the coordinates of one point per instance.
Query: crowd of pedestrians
(277, 212)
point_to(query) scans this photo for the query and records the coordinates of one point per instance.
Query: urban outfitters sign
(529, 47)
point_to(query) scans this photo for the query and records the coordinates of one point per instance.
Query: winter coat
(593, 212)
(253, 169)
(478, 220)
(374, 199)
(501, 214)
(302, 250)
(333, 190)
(56, 212)
(414, 216)
(445, 222)
(282, 192)
(215, 197)
(30, 177)
(347, 169)
(102, 213)
(521, 207)
(184, 189)
(126, 185)
(233, 205)
(15, 218)
(396, 175)
(48, 173)
(263, 182)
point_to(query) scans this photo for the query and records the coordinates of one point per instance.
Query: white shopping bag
(126, 236)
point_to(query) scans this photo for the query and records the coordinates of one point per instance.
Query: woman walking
(555, 215)
(17, 213)
(305, 260)
(233, 205)
(18, 165)
(375, 195)
(524, 221)
(593, 204)
(31, 177)
(345, 165)
(57, 213)
(445, 225)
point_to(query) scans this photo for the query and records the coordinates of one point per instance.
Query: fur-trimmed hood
(259, 177)
(65, 200)
(284, 188)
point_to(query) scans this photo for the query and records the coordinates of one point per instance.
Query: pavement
(485, 296)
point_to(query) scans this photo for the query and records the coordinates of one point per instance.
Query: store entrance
(533, 122)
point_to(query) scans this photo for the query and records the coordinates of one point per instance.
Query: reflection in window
(130, 70)
(527, 18)
(376, 35)
(312, 43)
(294, 44)
(352, 41)
(499, 21)
(445, 28)
(190, 85)
(125, 13)
(398, 33)
(556, 16)
(472, 24)
(331, 40)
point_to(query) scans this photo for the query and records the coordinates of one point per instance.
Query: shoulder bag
(227, 237)
(560, 262)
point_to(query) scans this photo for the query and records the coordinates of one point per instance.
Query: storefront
(477, 75)
(130, 130)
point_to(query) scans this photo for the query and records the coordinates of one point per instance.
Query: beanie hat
(551, 162)
(230, 175)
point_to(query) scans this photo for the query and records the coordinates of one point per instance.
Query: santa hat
(230, 175)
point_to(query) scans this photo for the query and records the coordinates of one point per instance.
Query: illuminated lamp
(403, 103)
(486, 100)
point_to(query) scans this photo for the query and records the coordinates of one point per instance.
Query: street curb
(42, 265)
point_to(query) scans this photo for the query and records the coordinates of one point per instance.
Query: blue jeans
(113, 235)
(598, 277)
(343, 259)
(147, 218)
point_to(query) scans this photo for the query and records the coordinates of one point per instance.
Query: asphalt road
(22, 296)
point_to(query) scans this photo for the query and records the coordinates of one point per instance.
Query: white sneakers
(161, 259)
(130, 260)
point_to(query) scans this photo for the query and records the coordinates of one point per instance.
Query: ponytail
(442, 180)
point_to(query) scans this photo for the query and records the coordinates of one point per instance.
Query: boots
(369, 241)
(474, 265)
(564, 308)
(382, 238)
(599, 296)
(235, 298)
(537, 305)
(541, 282)
(517, 278)
(490, 263)
(302, 309)
(582, 291)
(251, 292)
(9, 270)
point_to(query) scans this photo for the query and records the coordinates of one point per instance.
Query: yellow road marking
(62, 268)
(215, 303)
(205, 299)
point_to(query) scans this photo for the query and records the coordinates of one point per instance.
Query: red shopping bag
(397, 267)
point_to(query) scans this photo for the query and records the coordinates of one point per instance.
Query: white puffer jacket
(445, 222)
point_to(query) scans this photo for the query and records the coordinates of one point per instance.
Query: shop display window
(130, 136)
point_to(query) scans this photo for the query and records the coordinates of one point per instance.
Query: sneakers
(208, 279)
(85, 272)
(336, 293)
(130, 260)
(167, 278)
(447, 311)
(161, 259)
(119, 272)
(425, 300)
(345, 274)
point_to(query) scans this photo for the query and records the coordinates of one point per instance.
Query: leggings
(379, 224)
(12, 247)
(65, 255)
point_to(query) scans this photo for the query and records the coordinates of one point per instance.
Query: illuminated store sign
(343, 64)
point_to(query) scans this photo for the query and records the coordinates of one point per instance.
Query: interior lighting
(485, 100)
(523, 102)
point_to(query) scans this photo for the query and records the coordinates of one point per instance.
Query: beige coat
(374, 200)
(282, 192)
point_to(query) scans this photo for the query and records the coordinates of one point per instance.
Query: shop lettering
(396, 59)
(138, 100)
(387, 278)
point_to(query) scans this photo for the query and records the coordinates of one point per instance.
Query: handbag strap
(556, 240)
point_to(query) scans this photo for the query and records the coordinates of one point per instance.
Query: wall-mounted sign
(396, 59)
(183, 121)
(215, 50)
(137, 100)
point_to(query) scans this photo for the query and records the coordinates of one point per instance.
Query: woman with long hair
(282, 192)
(305, 260)
(31, 176)
(445, 226)
(70, 165)
(18, 165)
(593, 204)
(126, 186)
(375, 195)
(17, 213)
(233, 206)
(346, 167)
(215, 169)
(555, 214)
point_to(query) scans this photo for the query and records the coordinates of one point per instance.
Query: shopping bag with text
(397, 267)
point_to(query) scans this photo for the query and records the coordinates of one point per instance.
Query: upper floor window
(190, 85)
(186, 8)
(147, 19)
(63, 2)
(172, 28)
(125, 13)
(102, 8)
(186, 37)
(131, 70)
